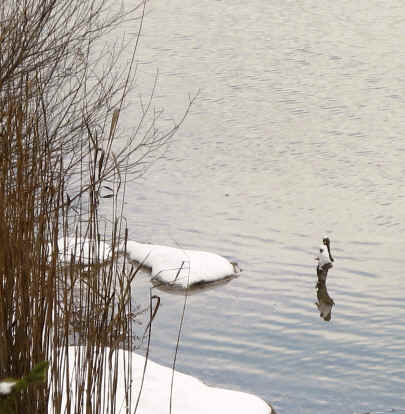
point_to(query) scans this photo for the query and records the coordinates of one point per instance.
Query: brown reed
(61, 99)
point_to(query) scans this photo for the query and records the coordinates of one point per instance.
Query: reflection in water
(325, 302)
(325, 259)
(195, 288)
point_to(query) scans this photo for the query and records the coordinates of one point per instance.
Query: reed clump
(64, 278)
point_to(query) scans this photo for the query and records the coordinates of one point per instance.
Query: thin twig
(178, 340)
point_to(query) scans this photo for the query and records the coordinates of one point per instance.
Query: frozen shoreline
(170, 266)
(190, 395)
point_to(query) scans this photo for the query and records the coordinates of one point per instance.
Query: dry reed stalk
(60, 104)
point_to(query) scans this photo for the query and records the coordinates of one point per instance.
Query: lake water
(297, 132)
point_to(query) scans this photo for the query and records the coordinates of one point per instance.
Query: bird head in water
(326, 242)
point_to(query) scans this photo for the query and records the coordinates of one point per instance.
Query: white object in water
(323, 256)
(182, 268)
(82, 250)
(190, 395)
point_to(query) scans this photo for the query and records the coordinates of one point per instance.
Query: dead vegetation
(62, 94)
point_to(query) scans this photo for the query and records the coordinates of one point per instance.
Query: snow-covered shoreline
(190, 395)
(81, 250)
(170, 266)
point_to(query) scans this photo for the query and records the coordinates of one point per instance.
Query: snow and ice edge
(190, 395)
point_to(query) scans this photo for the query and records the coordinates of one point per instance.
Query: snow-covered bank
(82, 250)
(171, 267)
(181, 268)
(190, 395)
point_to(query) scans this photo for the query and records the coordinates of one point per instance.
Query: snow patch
(82, 250)
(181, 268)
(190, 395)
(6, 387)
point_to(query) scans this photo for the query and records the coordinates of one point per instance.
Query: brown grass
(61, 99)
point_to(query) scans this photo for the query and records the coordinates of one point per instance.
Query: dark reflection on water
(325, 302)
(192, 290)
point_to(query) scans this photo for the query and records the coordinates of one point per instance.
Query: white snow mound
(181, 268)
(82, 250)
(190, 395)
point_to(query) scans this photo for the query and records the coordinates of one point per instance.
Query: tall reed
(61, 99)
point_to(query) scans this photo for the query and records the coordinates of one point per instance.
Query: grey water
(297, 132)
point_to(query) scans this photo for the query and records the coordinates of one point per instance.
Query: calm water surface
(298, 131)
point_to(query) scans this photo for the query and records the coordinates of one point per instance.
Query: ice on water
(180, 267)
